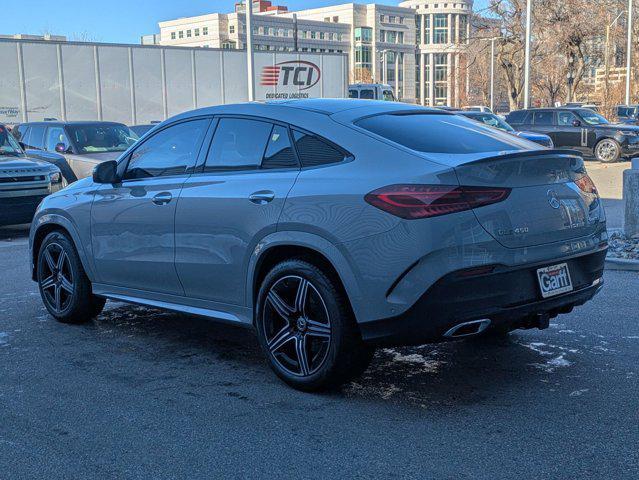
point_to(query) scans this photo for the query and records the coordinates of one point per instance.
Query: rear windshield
(440, 133)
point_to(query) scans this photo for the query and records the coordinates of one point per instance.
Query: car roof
(74, 122)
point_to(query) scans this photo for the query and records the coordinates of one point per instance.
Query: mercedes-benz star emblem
(553, 200)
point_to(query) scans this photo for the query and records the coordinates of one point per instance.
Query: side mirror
(61, 148)
(106, 172)
(576, 123)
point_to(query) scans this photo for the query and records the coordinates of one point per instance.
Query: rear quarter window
(440, 133)
(314, 151)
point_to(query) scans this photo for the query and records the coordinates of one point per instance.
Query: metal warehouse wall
(138, 84)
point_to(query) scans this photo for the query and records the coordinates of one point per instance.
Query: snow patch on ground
(579, 393)
(4, 339)
(428, 364)
(558, 359)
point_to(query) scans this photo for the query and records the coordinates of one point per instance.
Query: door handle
(262, 197)
(162, 198)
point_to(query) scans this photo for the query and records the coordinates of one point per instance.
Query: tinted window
(279, 151)
(542, 118)
(55, 135)
(169, 152)
(313, 151)
(388, 96)
(367, 94)
(238, 143)
(19, 131)
(565, 119)
(516, 117)
(437, 133)
(35, 139)
(353, 94)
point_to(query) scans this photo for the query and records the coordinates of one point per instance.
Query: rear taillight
(586, 184)
(424, 201)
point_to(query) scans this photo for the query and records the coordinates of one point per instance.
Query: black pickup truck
(580, 129)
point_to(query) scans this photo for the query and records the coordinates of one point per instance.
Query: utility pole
(249, 49)
(527, 60)
(397, 76)
(629, 53)
(295, 32)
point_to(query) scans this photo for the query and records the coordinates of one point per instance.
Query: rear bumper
(16, 210)
(506, 296)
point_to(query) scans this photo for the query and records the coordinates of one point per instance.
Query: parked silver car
(331, 227)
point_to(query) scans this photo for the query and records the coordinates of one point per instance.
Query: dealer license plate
(554, 280)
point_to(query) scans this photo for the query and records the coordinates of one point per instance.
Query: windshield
(592, 118)
(388, 95)
(493, 121)
(8, 144)
(101, 138)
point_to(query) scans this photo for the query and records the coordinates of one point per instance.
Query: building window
(382, 36)
(205, 30)
(463, 28)
(173, 35)
(418, 25)
(327, 19)
(197, 32)
(382, 18)
(441, 78)
(271, 31)
(321, 36)
(441, 28)
(231, 29)
(364, 34)
(391, 19)
(181, 34)
(363, 56)
(304, 49)
(426, 29)
(280, 32)
(188, 34)
(313, 35)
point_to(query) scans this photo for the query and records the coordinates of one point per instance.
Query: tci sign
(296, 73)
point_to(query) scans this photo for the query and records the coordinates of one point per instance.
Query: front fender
(59, 218)
(335, 253)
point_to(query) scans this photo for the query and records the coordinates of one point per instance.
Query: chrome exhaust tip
(468, 329)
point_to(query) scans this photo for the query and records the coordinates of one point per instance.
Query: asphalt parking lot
(140, 393)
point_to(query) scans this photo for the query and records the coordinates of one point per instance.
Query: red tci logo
(296, 72)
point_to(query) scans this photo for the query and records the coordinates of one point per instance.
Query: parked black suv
(580, 129)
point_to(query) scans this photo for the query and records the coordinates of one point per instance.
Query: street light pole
(527, 60)
(629, 52)
(492, 74)
(249, 50)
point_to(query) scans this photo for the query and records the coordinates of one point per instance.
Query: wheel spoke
(49, 259)
(47, 282)
(279, 305)
(300, 297)
(66, 284)
(58, 298)
(316, 329)
(300, 349)
(282, 337)
(61, 260)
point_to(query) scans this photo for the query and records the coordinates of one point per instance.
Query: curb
(622, 264)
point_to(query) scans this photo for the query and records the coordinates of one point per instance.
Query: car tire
(64, 287)
(302, 309)
(608, 150)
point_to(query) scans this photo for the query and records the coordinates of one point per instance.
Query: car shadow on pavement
(460, 373)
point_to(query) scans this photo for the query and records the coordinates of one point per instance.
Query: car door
(133, 222)
(569, 131)
(544, 122)
(231, 203)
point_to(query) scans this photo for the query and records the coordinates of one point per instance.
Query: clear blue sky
(121, 21)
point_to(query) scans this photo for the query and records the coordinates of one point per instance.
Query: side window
(353, 94)
(55, 135)
(367, 94)
(18, 132)
(238, 144)
(314, 152)
(543, 118)
(279, 151)
(36, 137)
(565, 119)
(171, 151)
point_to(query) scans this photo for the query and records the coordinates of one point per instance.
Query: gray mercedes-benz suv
(331, 227)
